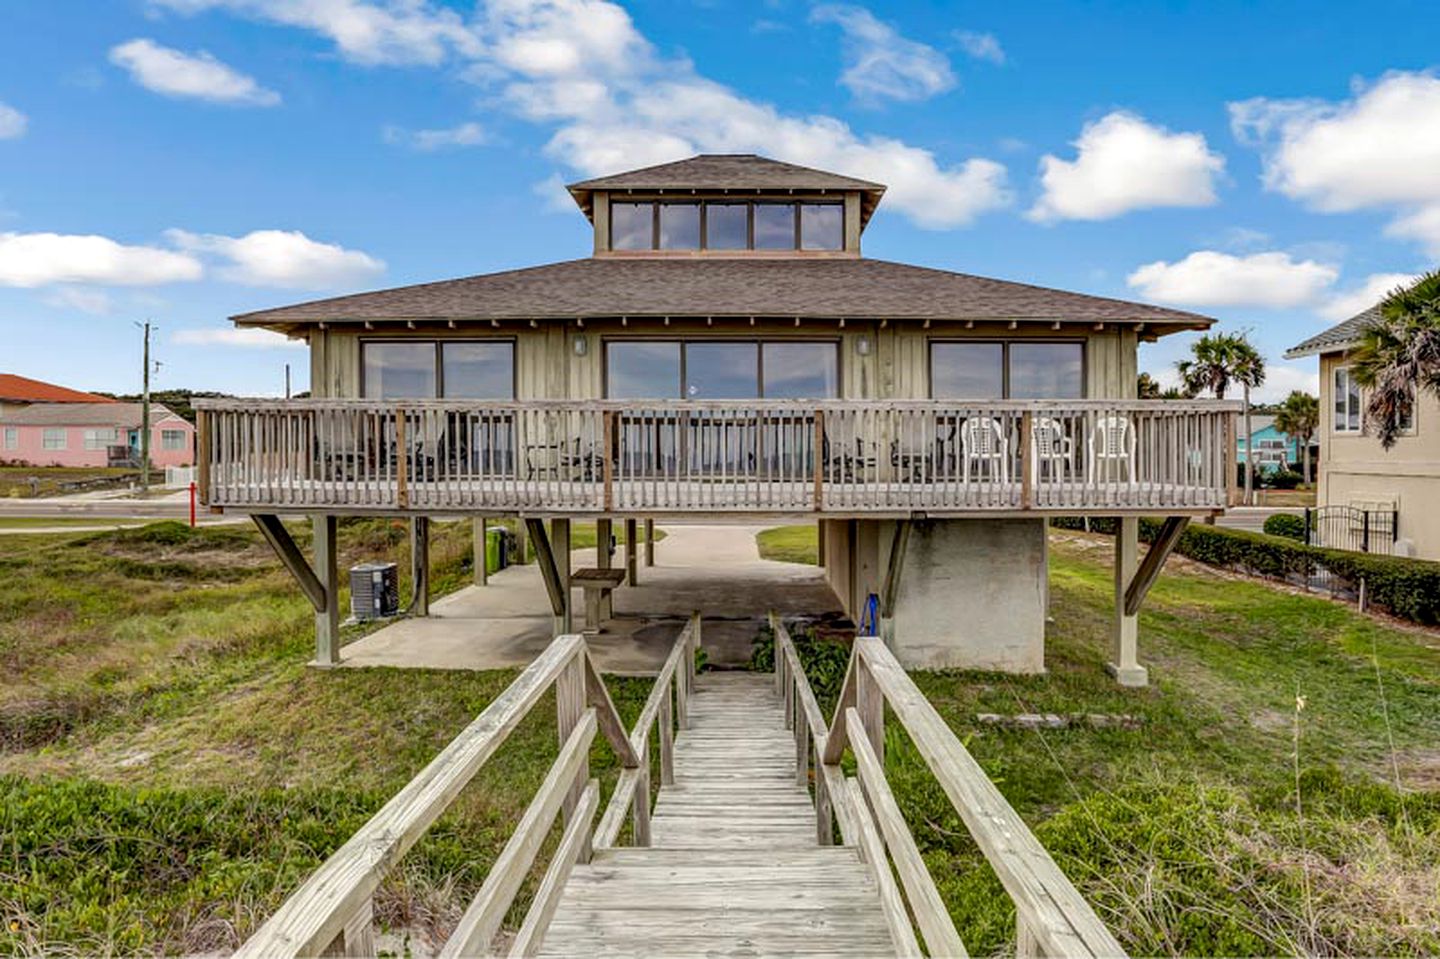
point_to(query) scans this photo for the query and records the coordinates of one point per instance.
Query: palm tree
(1217, 361)
(1299, 416)
(1399, 355)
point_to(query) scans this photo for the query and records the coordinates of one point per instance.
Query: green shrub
(1287, 525)
(1404, 587)
(824, 661)
(1283, 479)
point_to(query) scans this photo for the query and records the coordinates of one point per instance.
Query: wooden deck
(838, 458)
(734, 867)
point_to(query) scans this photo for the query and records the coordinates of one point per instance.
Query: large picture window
(722, 369)
(1014, 369)
(424, 369)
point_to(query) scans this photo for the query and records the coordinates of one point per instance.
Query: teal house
(1274, 450)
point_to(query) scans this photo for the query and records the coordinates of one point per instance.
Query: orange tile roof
(25, 390)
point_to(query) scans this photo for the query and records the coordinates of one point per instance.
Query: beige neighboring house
(1354, 469)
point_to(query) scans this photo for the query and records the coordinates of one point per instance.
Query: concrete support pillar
(632, 573)
(560, 546)
(1124, 664)
(420, 565)
(482, 569)
(649, 542)
(604, 559)
(327, 620)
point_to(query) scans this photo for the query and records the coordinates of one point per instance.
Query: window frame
(683, 341)
(46, 438)
(1336, 424)
(167, 435)
(704, 203)
(437, 343)
(1005, 344)
(92, 442)
(10, 438)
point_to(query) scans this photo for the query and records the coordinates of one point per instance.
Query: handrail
(231, 404)
(1052, 918)
(331, 911)
(675, 681)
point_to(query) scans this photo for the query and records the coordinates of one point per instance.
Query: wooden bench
(598, 585)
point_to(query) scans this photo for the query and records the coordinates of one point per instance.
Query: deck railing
(773, 456)
(1051, 917)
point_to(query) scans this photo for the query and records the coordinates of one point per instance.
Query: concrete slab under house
(728, 354)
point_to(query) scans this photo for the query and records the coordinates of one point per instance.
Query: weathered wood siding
(896, 366)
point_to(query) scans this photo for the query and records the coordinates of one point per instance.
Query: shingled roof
(729, 173)
(1339, 337)
(23, 389)
(789, 287)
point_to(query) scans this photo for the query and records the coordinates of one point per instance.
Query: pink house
(46, 425)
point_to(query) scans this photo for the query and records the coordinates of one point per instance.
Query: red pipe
(192, 505)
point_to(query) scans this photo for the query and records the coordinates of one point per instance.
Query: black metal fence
(1351, 528)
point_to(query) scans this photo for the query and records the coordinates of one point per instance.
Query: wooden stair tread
(733, 868)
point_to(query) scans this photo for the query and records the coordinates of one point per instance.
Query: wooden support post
(1154, 560)
(1124, 664)
(327, 574)
(640, 804)
(560, 549)
(821, 526)
(870, 704)
(522, 542)
(649, 542)
(666, 719)
(420, 565)
(604, 558)
(278, 536)
(569, 705)
(632, 573)
(204, 424)
(479, 531)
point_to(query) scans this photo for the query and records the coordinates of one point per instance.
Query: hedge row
(1407, 588)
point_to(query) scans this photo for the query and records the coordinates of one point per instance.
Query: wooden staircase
(734, 866)
(759, 842)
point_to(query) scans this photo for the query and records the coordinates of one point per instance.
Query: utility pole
(287, 381)
(145, 417)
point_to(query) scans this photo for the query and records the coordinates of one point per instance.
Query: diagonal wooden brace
(280, 540)
(1154, 560)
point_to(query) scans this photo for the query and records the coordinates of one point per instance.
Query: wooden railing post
(819, 460)
(640, 805)
(569, 705)
(666, 720)
(870, 705)
(1027, 462)
(608, 473)
(402, 460)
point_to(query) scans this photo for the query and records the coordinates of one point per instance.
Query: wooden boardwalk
(734, 867)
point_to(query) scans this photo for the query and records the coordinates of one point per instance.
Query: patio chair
(1049, 444)
(982, 441)
(1112, 450)
(852, 467)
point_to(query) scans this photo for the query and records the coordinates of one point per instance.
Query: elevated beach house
(727, 350)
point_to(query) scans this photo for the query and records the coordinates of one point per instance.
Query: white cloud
(1281, 378)
(1345, 304)
(581, 67)
(281, 258)
(394, 32)
(428, 141)
(880, 64)
(13, 123)
(981, 46)
(42, 259)
(1209, 278)
(1380, 149)
(1124, 163)
(175, 73)
(245, 337)
(86, 301)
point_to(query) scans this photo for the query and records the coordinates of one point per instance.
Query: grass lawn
(789, 544)
(15, 480)
(170, 769)
(1185, 832)
(60, 522)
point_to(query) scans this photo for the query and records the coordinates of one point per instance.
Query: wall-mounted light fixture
(862, 344)
(582, 345)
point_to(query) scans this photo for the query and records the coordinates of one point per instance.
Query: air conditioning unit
(374, 591)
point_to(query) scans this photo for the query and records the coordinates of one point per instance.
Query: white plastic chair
(1050, 444)
(1112, 450)
(982, 440)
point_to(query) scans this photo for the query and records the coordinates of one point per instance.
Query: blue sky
(1276, 165)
